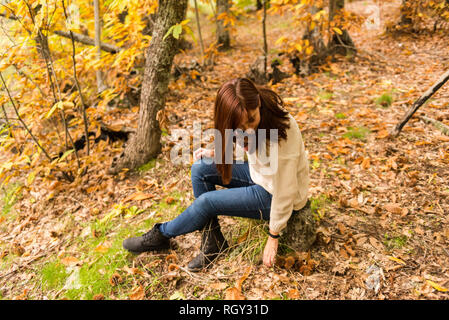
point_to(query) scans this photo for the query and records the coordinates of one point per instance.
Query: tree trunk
(100, 83)
(339, 43)
(320, 52)
(145, 144)
(223, 38)
(301, 228)
(406, 19)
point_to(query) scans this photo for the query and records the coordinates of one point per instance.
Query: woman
(252, 191)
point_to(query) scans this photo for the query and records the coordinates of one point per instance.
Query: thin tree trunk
(265, 46)
(100, 82)
(343, 43)
(223, 38)
(199, 32)
(418, 103)
(145, 144)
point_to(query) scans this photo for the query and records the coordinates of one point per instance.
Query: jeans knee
(199, 168)
(203, 205)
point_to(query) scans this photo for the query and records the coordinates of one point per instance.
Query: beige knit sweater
(289, 183)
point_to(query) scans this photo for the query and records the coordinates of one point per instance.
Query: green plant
(318, 206)
(53, 275)
(385, 100)
(356, 133)
(325, 95)
(340, 116)
(395, 241)
(10, 196)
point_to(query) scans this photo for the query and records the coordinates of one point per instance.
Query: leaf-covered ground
(382, 202)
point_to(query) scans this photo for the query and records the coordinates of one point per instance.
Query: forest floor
(382, 202)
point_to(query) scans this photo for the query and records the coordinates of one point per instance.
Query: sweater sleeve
(284, 192)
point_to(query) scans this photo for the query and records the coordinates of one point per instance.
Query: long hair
(234, 98)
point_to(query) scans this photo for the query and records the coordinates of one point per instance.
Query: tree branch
(81, 38)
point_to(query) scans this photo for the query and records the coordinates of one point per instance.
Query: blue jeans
(242, 198)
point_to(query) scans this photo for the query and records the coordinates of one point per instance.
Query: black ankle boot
(212, 244)
(152, 240)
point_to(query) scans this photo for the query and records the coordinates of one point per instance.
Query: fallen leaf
(170, 200)
(137, 293)
(366, 163)
(138, 196)
(397, 260)
(132, 271)
(233, 294)
(396, 209)
(218, 286)
(376, 244)
(293, 294)
(98, 297)
(243, 278)
(70, 261)
(102, 248)
(436, 286)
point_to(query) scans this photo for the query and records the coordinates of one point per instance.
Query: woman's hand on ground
(202, 152)
(270, 251)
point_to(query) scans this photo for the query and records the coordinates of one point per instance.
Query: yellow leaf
(102, 248)
(436, 286)
(397, 260)
(337, 30)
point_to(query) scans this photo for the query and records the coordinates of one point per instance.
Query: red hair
(234, 98)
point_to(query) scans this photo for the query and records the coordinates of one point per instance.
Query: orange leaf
(138, 293)
(366, 163)
(70, 261)
(293, 294)
(218, 286)
(102, 248)
(138, 196)
(234, 294)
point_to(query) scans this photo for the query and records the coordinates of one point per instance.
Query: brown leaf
(343, 253)
(293, 294)
(137, 293)
(218, 285)
(138, 196)
(243, 278)
(98, 297)
(396, 209)
(70, 261)
(169, 200)
(376, 244)
(133, 271)
(341, 228)
(234, 294)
